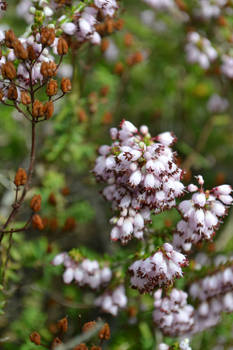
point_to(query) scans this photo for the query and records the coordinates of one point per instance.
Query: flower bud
(63, 325)
(48, 109)
(10, 38)
(62, 47)
(88, 326)
(48, 69)
(25, 98)
(8, 70)
(51, 88)
(37, 109)
(20, 51)
(95, 347)
(35, 203)
(31, 53)
(119, 68)
(128, 39)
(47, 36)
(20, 177)
(66, 85)
(104, 45)
(35, 338)
(104, 333)
(12, 93)
(37, 222)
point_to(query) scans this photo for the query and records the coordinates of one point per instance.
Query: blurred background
(139, 73)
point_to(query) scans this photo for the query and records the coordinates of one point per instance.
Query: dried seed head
(48, 69)
(63, 325)
(66, 85)
(10, 38)
(56, 341)
(51, 88)
(104, 45)
(20, 51)
(35, 338)
(105, 333)
(35, 203)
(88, 326)
(12, 93)
(37, 109)
(8, 70)
(69, 225)
(81, 346)
(37, 222)
(25, 98)
(119, 68)
(48, 109)
(20, 177)
(52, 199)
(31, 53)
(47, 36)
(62, 47)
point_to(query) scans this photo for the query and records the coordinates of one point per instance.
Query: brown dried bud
(119, 24)
(137, 57)
(35, 338)
(66, 85)
(104, 45)
(37, 109)
(81, 346)
(25, 98)
(109, 26)
(47, 36)
(10, 38)
(20, 177)
(37, 222)
(95, 347)
(107, 118)
(69, 225)
(105, 333)
(20, 51)
(62, 47)
(35, 203)
(51, 88)
(119, 68)
(82, 115)
(8, 70)
(48, 69)
(12, 93)
(63, 325)
(65, 191)
(48, 109)
(88, 326)
(56, 341)
(31, 53)
(1, 94)
(52, 199)
(128, 39)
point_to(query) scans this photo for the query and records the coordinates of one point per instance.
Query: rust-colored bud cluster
(12, 93)
(62, 47)
(48, 109)
(51, 88)
(8, 70)
(119, 68)
(37, 222)
(81, 346)
(25, 98)
(105, 333)
(135, 58)
(88, 326)
(20, 177)
(35, 203)
(63, 325)
(69, 225)
(37, 109)
(66, 85)
(48, 69)
(47, 36)
(109, 26)
(35, 338)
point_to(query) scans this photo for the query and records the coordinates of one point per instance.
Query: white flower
(69, 28)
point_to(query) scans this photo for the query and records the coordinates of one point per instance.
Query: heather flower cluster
(160, 269)
(200, 50)
(210, 8)
(112, 301)
(202, 214)
(141, 177)
(85, 272)
(160, 4)
(172, 314)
